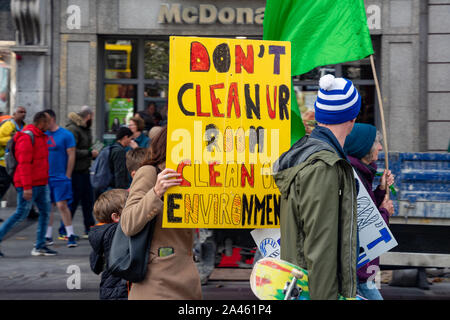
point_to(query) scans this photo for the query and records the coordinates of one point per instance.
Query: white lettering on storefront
(210, 14)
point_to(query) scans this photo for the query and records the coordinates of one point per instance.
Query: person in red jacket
(31, 180)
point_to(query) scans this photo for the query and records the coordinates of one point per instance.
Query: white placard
(375, 238)
(268, 242)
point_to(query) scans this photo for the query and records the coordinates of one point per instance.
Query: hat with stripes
(338, 100)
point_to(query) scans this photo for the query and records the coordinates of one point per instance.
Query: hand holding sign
(164, 181)
(388, 205)
(388, 178)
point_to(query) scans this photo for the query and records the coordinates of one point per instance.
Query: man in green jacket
(318, 195)
(80, 125)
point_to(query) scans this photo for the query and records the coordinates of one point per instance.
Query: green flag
(321, 32)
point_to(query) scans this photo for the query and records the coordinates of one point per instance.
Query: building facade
(104, 53)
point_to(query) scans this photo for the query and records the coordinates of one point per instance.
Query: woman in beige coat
(170, 276)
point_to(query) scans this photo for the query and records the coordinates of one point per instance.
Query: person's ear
(115, 217)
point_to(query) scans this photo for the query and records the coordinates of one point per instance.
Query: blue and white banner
(375, 238)
(268, 242)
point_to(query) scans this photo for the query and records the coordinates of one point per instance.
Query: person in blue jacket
(137, 125)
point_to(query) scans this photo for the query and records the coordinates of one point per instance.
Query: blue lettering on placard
(360, 264)
(274, 254)
(267, 242)
(385, 236)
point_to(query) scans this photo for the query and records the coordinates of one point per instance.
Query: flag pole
(383, 123)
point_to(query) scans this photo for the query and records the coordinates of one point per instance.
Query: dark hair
(135, 158)
(157, 116)
(38, 117)
(109, 202)
(139, 122)
(51, 113)
(123, 131)
(156, 153)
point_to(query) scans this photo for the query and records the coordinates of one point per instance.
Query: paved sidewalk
(23, 276)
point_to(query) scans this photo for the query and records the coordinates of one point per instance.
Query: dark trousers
(82, 192)
(5, 181)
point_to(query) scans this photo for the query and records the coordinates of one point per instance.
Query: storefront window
(316, 74)
(367, 113)
(156, 60)
(306, 96)
(360, 70)
(120, 102)
(136, 76)
(4, 81)
(121, 59)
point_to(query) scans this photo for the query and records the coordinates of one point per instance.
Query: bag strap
(30, 134)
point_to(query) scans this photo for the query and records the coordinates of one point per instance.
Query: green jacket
(83, 139)
(318, 217)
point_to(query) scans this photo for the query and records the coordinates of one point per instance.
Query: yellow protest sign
(228, 122)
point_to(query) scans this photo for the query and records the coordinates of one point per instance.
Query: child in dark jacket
(107, 211)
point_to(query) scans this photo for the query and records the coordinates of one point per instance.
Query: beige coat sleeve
(142, 204)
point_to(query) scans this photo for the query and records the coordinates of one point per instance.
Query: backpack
(100, 170)
(128, 256)
(10, 158)
(4, 119)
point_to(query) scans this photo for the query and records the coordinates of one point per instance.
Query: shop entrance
(134, 74)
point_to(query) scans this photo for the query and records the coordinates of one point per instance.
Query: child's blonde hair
(109, 202)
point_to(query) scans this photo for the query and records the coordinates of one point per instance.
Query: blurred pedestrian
(171, 272)
(80, 125)
(31, 180)
(362, 147)
(151, 116)
(61, 147)
(8, 127)
(118, 160)
(107, 211)
(154, 132)
(137, 126)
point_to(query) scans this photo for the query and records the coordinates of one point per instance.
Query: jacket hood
(97, 235)
(290, 162)
(76, 119)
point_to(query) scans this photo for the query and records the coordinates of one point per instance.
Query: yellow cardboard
(229, 114)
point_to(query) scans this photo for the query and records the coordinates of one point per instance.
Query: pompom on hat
(338, 100)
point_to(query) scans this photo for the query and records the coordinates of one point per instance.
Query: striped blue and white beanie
(338, 100)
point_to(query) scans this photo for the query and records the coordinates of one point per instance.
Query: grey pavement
(24, 277)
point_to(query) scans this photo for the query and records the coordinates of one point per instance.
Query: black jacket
(118, 166)
(83, 139)
(111, 287)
